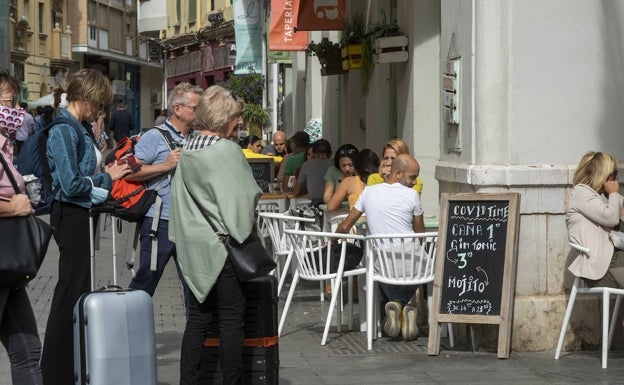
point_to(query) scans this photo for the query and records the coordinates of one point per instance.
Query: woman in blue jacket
(77, 173)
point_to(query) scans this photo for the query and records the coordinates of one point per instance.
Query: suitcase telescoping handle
(112, 288)
(92, 214)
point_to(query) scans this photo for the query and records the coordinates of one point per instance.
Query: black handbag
(249, 259)
(24, 243)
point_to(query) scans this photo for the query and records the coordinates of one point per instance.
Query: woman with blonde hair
(390, 150)
(79, 184)
(594, 209)
(213, 183)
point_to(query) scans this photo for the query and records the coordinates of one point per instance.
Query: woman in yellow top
(365, 163)
(391, 150)
(251, 146)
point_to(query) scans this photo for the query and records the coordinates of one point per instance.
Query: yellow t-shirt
(249, 154)
(376, 178)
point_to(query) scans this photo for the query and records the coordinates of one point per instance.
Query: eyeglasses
(12, 101)
(192, 108)
(613, 175)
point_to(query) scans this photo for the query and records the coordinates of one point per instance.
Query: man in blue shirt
(158, 163)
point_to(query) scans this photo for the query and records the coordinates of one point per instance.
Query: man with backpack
(158, 159)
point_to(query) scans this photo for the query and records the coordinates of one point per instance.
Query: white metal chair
(314, 260)
(275, 224)
(578, 287)
(398, 259)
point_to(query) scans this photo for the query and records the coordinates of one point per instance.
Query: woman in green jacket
(213, 180)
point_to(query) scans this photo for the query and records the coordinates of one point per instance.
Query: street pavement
(344, 359)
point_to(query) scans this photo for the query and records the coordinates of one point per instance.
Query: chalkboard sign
(476, 263)
(263, 172)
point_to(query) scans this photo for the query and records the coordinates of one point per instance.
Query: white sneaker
(392, 322)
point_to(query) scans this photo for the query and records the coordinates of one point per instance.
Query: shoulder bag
(249, 259)
(24, 243)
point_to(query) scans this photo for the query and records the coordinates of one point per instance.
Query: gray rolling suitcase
(114, 338)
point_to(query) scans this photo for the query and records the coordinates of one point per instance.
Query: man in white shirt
(393, 207)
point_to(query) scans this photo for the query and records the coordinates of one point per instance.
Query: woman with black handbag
(213, 187)
(18, 328)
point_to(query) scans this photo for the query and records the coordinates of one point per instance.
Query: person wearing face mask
(81, 186)
(18, 327)
(213, 180)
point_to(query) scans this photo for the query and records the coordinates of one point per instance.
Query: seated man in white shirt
(393, 207)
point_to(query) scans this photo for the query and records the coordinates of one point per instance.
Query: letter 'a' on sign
(475, 273)
(321, 15)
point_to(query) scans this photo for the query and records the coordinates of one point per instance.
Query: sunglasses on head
(347, 152)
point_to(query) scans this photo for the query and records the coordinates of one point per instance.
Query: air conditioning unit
(156, 98)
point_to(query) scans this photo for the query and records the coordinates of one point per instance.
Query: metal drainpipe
(5, 52)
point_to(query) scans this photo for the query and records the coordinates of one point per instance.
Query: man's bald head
(279, 136)
(279, 142)
(405, 170)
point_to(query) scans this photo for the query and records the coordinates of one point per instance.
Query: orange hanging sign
(282, 35)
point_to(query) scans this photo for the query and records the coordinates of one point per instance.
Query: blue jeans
(227, 302)
(401, 293)
(146, 279)
(18, 333)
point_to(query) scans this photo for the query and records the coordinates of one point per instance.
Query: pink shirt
(6, 188)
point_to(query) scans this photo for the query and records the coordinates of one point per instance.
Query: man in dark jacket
(121, 123)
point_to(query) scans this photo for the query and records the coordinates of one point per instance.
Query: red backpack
(130, 200)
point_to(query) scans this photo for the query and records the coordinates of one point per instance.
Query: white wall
(541, 85)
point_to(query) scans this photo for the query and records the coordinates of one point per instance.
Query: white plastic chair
(264, 207)
(398, 259)
(314, 256)
(578, 287)
(275, 224)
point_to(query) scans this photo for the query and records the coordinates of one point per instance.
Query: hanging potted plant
(357, 48)
(389, 44)
(353, 37)
(329, 56)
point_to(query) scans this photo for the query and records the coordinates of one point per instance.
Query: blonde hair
(398, 145)
(89, 85)
(594, 169)
(216, 107)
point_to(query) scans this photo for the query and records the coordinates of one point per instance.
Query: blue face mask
(98, 194)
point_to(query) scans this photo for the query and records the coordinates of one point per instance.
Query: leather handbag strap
(9, 174)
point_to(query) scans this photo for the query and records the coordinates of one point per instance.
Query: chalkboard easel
(263, 172)
(475, 273)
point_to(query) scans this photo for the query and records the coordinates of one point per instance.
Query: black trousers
(71, 232)
(18, 334)
(227, 302)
